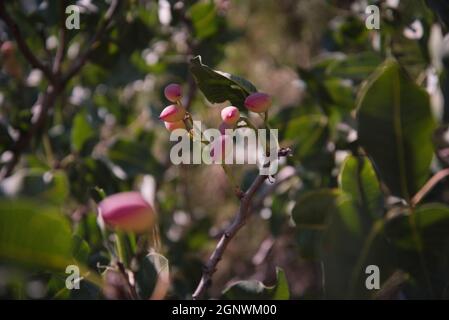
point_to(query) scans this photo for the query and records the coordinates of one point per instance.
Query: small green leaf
(81, 249)
(218, 86)
(358, 179)
(82, 132)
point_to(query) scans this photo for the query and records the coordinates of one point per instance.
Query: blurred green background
(366, 135)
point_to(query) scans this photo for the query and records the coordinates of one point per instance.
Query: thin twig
(23, 46)
(239, 221)
(437, 177)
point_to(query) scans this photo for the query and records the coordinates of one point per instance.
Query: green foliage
(395, 125)
(359, 108)
(34, 235)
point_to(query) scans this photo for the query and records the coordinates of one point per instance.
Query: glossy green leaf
(219, 86)
(358, 179)
(395, 127)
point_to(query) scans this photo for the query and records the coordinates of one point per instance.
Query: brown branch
(239, 221)
(47, 100)
(23, 46)
(437, 177)
(44, 104)
(62, 42)
(81, 60)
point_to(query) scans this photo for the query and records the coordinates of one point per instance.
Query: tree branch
(81, 60)
(239, 221)
(437, 177)
(47, 100)
(23, 46)
(59, 57)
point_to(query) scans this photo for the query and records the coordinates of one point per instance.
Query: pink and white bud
(258, 102)
(7, 48)
(230, 115)
(127, 211)
(221, 148)
(171, 126)
(173, 92)
(173, 113)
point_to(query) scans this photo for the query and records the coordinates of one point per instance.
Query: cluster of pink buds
(173, 115)
(257, 102)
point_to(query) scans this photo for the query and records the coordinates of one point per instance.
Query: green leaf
(204, 19)
(313, 209)
(153, 274)
(82, 132)
(281, 291)
(432, 223)
(81, 249)
(358, 179)
(133, 157)
(256, 290)
(34, 235)
(218, 86)
(308, 134)
(395, 127)
(356, 67)
(311, 214)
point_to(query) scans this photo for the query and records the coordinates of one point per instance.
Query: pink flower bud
(127, 211)
(172, 113)
(173, 92)
(230, 115)
(221, 148)
(7, 48)
(171, 126)
(258, 102)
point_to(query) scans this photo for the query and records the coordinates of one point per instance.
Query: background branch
(47, 100)
(23, 46)
(59, 57)
(81, 60)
